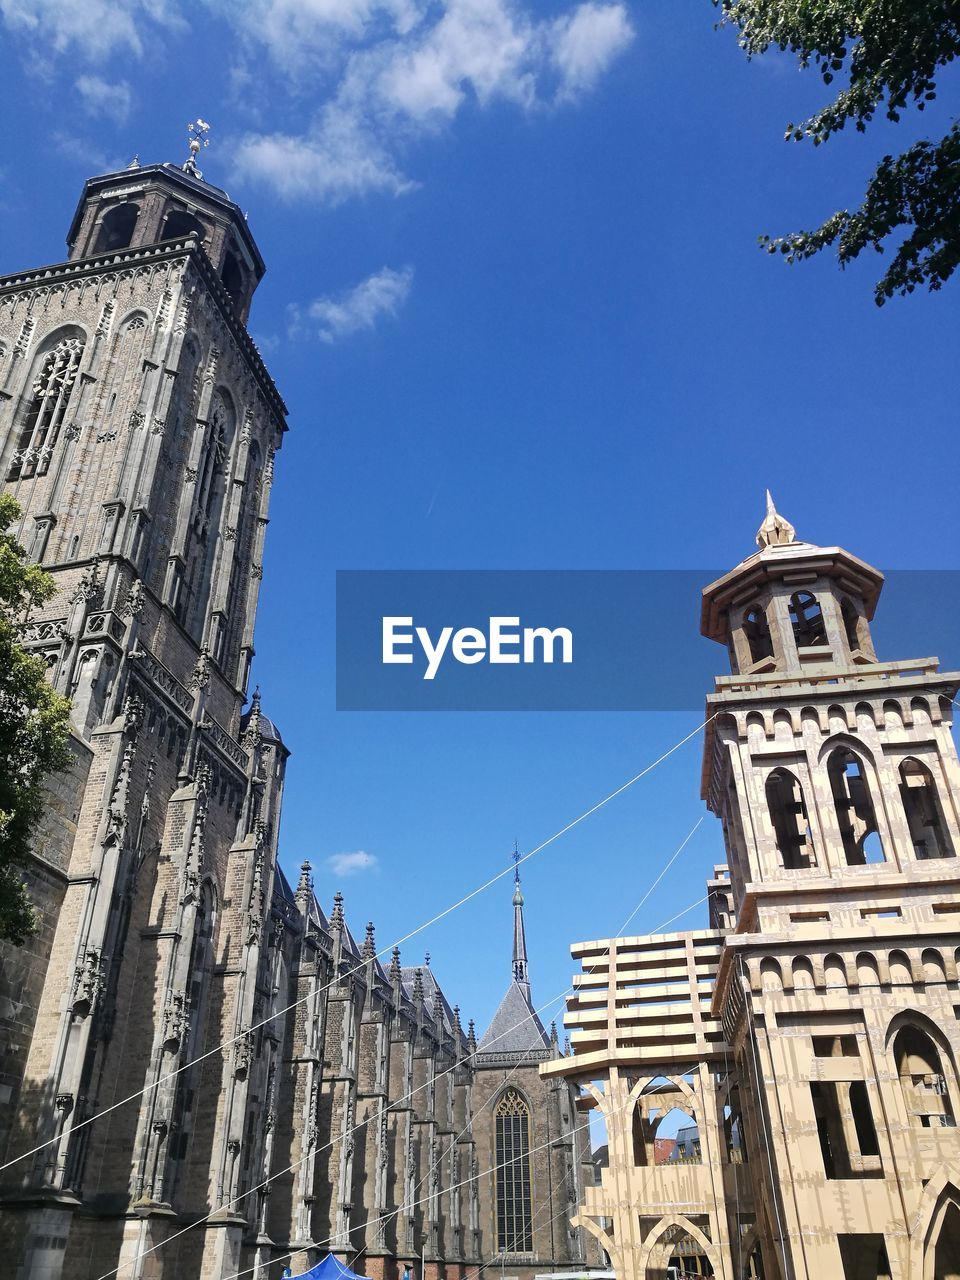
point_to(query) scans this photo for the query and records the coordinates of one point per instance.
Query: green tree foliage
(34, 726)
(890, 52)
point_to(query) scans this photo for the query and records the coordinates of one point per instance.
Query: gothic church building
(202, 1074)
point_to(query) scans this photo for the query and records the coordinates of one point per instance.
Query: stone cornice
(167, 251)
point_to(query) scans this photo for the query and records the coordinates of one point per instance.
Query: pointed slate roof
(515, 1030)
(430, 987)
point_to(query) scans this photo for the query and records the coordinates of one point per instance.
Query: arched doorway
(943, 1257)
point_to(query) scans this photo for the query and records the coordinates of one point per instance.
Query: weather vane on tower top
(197, 131)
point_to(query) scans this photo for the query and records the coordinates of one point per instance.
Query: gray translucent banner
(579, 640)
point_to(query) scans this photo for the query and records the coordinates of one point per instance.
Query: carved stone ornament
(176, 1020)
(23, 341)
(106, 316)
(243, 1053)
(88, 982)
(133, 712)
(89, 585)
(134, 604)
(117, 813)
(201, 672)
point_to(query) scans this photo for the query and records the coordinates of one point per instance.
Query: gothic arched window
(178, 224)
(807, 619)
(514, 1201)
(232, 276)
(788, 815)
(851, 624)
(855, 813)
(922, 1082)
(921, 803)
(757, 630)
(52, 388)
(116, 229)
(183, 1019)
(209, 490)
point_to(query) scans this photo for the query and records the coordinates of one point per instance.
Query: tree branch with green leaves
(891, 52)
(34, 727)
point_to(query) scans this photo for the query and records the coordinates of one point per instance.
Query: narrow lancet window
(757, 630)
(791, 826)
(921, 803)
(855, 813)
(922, 1082)
(808, 627)
(851, 625)
(514, 1200)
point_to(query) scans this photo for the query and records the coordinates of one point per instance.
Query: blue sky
(517, 309)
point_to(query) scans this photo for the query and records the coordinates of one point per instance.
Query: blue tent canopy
(329, 1269)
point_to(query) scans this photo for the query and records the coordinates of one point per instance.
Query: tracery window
(514, 1217)
(51, 398)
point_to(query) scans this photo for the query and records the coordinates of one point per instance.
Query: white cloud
(387, 72)
(351, 864)
(401, 73)
(337, 160)
(95, 28)
(354, 310)
(585, 43)
(480, 45)
(105, 98)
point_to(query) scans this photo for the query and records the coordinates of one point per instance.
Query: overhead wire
(69, 1130)
(407, 1097)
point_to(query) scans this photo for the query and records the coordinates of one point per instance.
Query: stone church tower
(810, 1038)
(138, 428)
(532, 1144)
(201, 1072)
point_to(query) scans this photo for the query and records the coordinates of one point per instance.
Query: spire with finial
(395, 971)
(775, 530)
(426, 960)
(471, 1037)
(369, 944)
(437, 1007)
(304, 888)
(135, 162)
(457, 1028)
(520, 974)
(336, 916)
(554, 1040)
(197, 131)
(418, 986)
